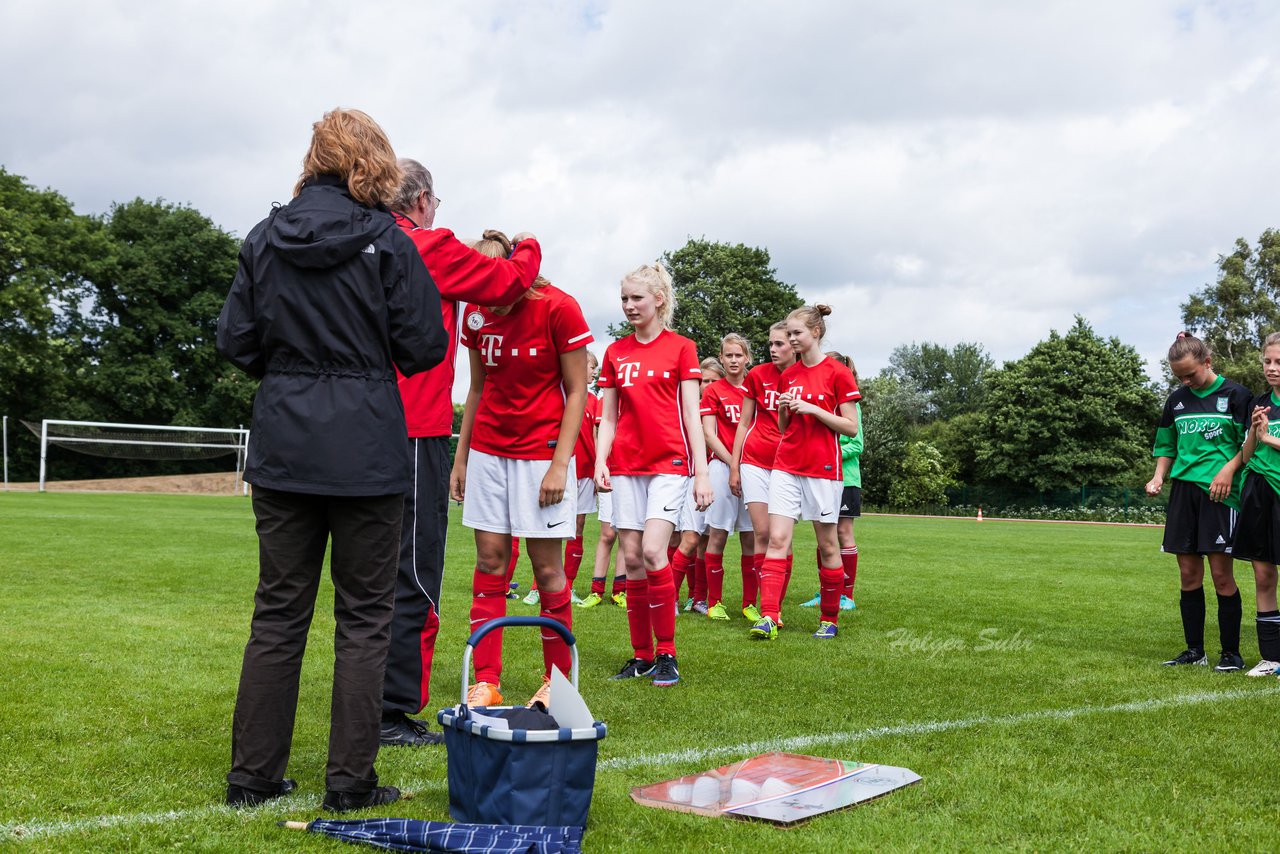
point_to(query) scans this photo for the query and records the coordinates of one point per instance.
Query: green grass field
(1012, 665)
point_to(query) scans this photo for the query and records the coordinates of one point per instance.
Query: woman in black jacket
(329, 298)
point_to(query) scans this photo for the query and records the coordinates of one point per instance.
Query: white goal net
(139, 441)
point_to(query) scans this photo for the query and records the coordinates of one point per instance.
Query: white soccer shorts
(502, 497)
(691, 518)
(755, 484)
(728, 512)
(604, 513)
(639, 497)
(813, 498)
(586, 495)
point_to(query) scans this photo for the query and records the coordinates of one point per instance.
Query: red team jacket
(462, 275)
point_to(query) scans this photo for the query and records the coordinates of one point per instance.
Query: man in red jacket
(462, 275)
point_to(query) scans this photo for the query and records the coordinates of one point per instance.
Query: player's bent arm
(458, 475)
(604, 436)
(1163, 464)
(573, 376)
(689, 406)
(712, 437)
(739, 441)
(844, 421)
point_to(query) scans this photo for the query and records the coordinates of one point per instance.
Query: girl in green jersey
(1258, 533)
(1198, 447)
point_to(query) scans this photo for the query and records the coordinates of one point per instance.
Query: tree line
(113, 318)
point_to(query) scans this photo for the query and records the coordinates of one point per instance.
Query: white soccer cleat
(1264, 668)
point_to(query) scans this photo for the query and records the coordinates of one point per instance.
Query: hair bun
(823, 310)
(1181, 335)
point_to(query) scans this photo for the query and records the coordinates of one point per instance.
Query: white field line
(805, 742)
(1014, 519)
(18, 831)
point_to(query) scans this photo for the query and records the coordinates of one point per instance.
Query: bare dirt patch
(216, 483)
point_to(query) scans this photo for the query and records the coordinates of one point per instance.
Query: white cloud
(947, 172)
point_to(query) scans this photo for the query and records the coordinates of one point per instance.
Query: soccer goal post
(140, 441)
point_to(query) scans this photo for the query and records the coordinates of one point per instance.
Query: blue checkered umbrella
(403, 834)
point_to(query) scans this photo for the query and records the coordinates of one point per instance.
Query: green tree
(722, 288)
(923, 478)
(152, 329)
(1075, 410)
(891, 411)
(1241, 308)
(48, 257)
(951, 380)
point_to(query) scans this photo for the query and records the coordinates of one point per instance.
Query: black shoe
(1190, 656)
(239, 796)
(400, 730)
(348, 801)
(635, 667)
(664, 672)
(1230, 662)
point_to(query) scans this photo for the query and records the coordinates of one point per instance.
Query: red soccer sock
(638, 618)
(829, 583)
(515, 558)
(555, 652)
(786, 578)
(671, 553)
(597, 586)
(699, 580)
(488, 602)
(751, 582)
(572, 560)
(427, 643)
(682, 568)
(619, 584)
(773, 573)
(849, 557)
(662, 609)
(715, 578)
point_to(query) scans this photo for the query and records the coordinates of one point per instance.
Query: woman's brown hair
(351, 146)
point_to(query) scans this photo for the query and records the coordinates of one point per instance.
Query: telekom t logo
(770, 400)
(489, 345)
(734, 411)
(627, 371)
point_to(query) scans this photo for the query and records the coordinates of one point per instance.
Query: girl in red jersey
(721, 412)
(515, 454)
(688, 549)
(584, 457)
(650, 411)
(816, 406)
(754, 446)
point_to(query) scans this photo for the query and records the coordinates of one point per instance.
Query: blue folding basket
(518, 776)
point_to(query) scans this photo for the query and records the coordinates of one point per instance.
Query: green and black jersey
(1266, 459)
(1202, 431)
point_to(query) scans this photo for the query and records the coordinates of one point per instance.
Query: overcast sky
(944, 172)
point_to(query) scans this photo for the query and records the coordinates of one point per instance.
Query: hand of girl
(1154, 485)
(552, 491)
(1220, 487)
(458, 482)
(735, 481)
(602, 478)
(1260, 423)
(702, 494)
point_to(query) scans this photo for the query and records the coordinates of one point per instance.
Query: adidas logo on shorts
(1220, 541)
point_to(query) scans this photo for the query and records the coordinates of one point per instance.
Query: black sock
(1192, 606)
(1229, 614)
(1269, 635)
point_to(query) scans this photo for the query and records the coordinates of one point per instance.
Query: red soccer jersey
(650, 438)
(809, 448)
(584, 450)
(523, 399)
(762, 434)
(723, 399)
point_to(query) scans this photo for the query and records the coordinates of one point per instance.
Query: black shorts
(851, 502)
(1194, 525)
(1258, 529)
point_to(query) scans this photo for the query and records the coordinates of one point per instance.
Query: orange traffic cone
(979, 514)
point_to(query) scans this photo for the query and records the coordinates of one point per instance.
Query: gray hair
(416, 179)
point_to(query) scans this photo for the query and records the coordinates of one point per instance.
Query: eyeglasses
(439, 201)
